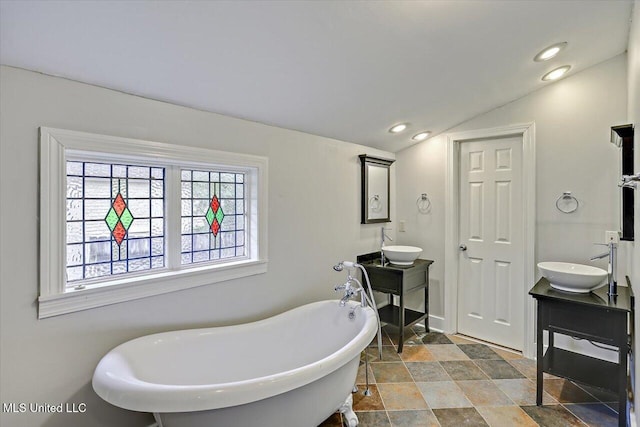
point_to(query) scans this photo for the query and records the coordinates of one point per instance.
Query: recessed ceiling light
(549, 52)
(421, 136)
(557, 73)
(398, 128)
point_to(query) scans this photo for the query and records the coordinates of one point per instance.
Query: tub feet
(349, 417)
(158, 423)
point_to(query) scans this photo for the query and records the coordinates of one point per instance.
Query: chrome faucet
(383, 236)
(630, 181)
(350, 290)
(365, 299)
(347, 296)
(611, 271)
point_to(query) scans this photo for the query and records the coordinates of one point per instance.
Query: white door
(491, 273)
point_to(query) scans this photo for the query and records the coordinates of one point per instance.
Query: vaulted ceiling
(341, 69)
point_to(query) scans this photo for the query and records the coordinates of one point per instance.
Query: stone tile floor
(448, 380)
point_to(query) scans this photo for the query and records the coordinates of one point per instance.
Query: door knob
(462, 247)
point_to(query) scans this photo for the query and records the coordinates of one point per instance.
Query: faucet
(629, 181)
(350, 291)
(611, 271)
(383, 235)
(347, 296)
(364, 300)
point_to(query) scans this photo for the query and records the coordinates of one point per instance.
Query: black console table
(399, 280)
(594, 317)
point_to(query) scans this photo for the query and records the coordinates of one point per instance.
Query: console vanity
(592, 316)
(399, 280)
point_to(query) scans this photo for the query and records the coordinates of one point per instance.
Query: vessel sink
(570, 277)
(401, 255)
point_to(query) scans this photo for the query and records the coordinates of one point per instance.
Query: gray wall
(572, 119)
(314, 221)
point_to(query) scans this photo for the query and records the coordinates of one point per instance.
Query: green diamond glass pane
(210, 215)
(126, 218)
(111, 219)
(220, 215)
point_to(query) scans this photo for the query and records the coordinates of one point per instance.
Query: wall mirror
(375, 193)
(622, 136)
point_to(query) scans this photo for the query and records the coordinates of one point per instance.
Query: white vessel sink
(570, 277)
(401, 255)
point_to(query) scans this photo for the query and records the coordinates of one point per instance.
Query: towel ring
(375, 204)
(423, 203)
(569, 203)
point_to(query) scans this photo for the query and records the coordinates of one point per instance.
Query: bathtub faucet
(350, 294)
(365, 300)
(350, 291)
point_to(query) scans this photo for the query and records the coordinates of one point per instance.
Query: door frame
(452, 215)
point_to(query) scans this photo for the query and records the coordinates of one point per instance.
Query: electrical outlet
(402, 226)
(612, 236)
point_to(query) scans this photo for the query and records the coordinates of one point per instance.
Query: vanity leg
(426, 308)
(622, 383)
(539, 357)
(401, 322)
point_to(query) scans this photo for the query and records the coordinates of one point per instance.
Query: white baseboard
(436, 323)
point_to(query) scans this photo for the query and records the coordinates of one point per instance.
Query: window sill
(136, 288)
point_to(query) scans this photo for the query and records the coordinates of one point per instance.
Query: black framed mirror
(375, 186)
(622, 136)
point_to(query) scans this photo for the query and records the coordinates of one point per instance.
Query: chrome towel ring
(567, 203)
(423, 203)
(374, 203)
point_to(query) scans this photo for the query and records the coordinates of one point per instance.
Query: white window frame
(57, 144)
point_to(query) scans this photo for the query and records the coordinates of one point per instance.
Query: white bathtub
(294, 369)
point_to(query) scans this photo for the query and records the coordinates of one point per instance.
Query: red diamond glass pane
(119, 204)
(119, 232)
(215, 204)
(215, 227)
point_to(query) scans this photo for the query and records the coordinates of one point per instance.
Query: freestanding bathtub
(291, 370)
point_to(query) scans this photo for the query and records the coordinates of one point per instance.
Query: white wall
(633, 112)
(572, 118)
(314, 221)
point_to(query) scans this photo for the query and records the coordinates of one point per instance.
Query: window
(123, 219)
(212, 215)
(114, 220)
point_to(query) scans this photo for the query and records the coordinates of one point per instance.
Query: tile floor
(444, 380)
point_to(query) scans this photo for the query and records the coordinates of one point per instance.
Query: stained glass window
(122, 218)
(115, 219)
(213, 215)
